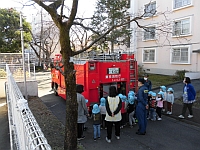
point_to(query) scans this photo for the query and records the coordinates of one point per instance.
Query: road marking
(3, 104)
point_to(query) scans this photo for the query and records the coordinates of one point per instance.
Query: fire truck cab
(98, 74)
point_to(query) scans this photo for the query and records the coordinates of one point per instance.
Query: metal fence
(16, 66)
(25, 133)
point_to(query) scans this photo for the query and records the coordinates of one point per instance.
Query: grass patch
(158, 80)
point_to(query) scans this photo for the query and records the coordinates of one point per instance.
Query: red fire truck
(98, 74)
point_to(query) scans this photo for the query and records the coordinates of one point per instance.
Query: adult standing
(189, 95)
(142, 106)
(147, 82)
(82, 111)
(113, 113)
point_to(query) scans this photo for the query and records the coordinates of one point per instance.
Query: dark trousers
(123, 121)
(103, 122)
(185, 106)
(159, 111)
(109, 128)
(169, 106)
(141, 115)
(165, 105)
(80, 129)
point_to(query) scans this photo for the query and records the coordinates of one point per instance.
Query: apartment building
(170, 39)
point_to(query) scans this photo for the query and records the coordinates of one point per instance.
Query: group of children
(99, 113)
(158, 102)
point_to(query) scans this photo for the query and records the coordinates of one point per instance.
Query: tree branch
(73, 13)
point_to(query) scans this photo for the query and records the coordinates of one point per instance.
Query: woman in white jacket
(113, 113)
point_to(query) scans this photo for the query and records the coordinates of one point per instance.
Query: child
(131, 108)
(159, 107)
(170, 100)
(123, 110)
(163, 89)
(96, 121)
(102, 108)
(149, 98)
(152, 106)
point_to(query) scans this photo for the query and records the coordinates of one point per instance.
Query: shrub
(2, 73)
(180, 74)
(141, 71)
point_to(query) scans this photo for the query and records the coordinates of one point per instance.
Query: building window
(149, 33)
(181, 27)
(149, 55)
(180, 55)
(150, 9)
(181, 3)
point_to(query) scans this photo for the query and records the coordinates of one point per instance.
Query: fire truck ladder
(133, 73)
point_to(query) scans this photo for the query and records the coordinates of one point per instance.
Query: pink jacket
(159, 102)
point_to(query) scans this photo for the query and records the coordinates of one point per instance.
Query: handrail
(25, 133)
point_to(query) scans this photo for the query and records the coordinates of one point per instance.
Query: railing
(25, 133)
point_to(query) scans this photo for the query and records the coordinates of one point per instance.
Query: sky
(85, 7)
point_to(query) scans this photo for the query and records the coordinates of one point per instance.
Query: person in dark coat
(147, 82)
(142, 106)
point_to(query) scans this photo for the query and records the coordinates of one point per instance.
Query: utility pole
(23, 60)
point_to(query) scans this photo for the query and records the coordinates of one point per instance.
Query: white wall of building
(164, 44)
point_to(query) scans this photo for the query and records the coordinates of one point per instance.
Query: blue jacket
(142, 96)
(190, 91)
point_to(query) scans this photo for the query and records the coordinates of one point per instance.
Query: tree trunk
(70, 142)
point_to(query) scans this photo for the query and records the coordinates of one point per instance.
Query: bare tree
(45, 39)
(65, 24)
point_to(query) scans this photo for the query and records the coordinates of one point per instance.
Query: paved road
(170, 133)
(167, 134)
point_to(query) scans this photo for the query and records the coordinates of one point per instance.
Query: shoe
(121, 127)
(131, 126)
(81, 138)
(98, 138)
(159, 119)
(167, 113)
(95, 139)
(190, 116)
(181, 116)
(105, 128)
(117, 137)
(170, 113)
(108, 140)
(139, 133)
